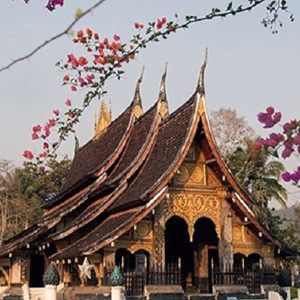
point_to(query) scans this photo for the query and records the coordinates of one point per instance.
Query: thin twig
(59, 35)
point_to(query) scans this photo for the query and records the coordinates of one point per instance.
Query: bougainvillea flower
(82, 61)
(51, 123)
(270, 110)
(138, 25)
(116, 37)
(47, 131)
(43, 154)
(115, 46)
(68, 102)
(66, 78)
(45, 145)
(56, 112)
(53, 3)
(286, 176)
(35, 136)
(287, 152)
(90, 78)
(36, 128)
(28, 154)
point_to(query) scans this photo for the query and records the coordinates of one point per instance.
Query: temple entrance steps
(37, 293)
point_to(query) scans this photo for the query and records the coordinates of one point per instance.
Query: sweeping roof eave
(109, 230)
(98, 155)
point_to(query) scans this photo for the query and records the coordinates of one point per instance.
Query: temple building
(150, 191)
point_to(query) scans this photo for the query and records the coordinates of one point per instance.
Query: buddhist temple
(150, 193)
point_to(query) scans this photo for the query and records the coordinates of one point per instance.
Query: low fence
(135, 282)
(251, 278)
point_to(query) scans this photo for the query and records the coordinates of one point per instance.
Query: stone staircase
(37, 293)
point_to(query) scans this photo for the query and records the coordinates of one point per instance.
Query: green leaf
(229, 7)
(78, 13)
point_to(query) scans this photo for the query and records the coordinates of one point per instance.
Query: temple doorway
(138, 261)
(178, 248)
(37, 269)
(205, 252)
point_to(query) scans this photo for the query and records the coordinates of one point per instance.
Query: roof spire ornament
(201, 86)
(104, 120)
(137, 101)
(77, 145)
(200, 91)
(162, 97)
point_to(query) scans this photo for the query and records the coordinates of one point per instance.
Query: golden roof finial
(162, 97)
(201, 86)
(104, 119)
(137, 100)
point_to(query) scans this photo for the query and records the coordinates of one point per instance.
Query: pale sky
(249, 68)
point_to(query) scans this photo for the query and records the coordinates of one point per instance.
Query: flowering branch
(283, 143)
(59, 35)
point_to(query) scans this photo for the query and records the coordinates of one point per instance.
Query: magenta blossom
(53, 3)
(269, 118)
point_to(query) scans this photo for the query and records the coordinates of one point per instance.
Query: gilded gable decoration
(191, 207)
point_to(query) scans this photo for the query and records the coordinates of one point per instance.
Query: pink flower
(53, 3)
(116, 37)
(270, 110)
(277, 117)
(43, 154)
(68, 102)
(82, 61)
(286, 176)
(56, 112)
(160, 23)
(138, 25)
(47, 131)
(35, 136)
(28, 154)
(81, 81)
(287, 152)
(90, 78)
(36, 128)
(42, 169)
(45, 145)
(115, 46)
(72, 60)
(73, 88)
(297, 139)
(51, 123)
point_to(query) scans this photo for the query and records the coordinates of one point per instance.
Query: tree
(40, 187)
(259, 175)
(24, 190)
(229, 130)
(15, 210)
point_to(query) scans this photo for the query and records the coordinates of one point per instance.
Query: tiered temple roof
(124, 172)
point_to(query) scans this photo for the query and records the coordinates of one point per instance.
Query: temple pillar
(66, 275)
(101, 270)
(158, 257)
(16, 270)
(225, 240)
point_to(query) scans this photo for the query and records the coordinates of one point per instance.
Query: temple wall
(246, 242)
